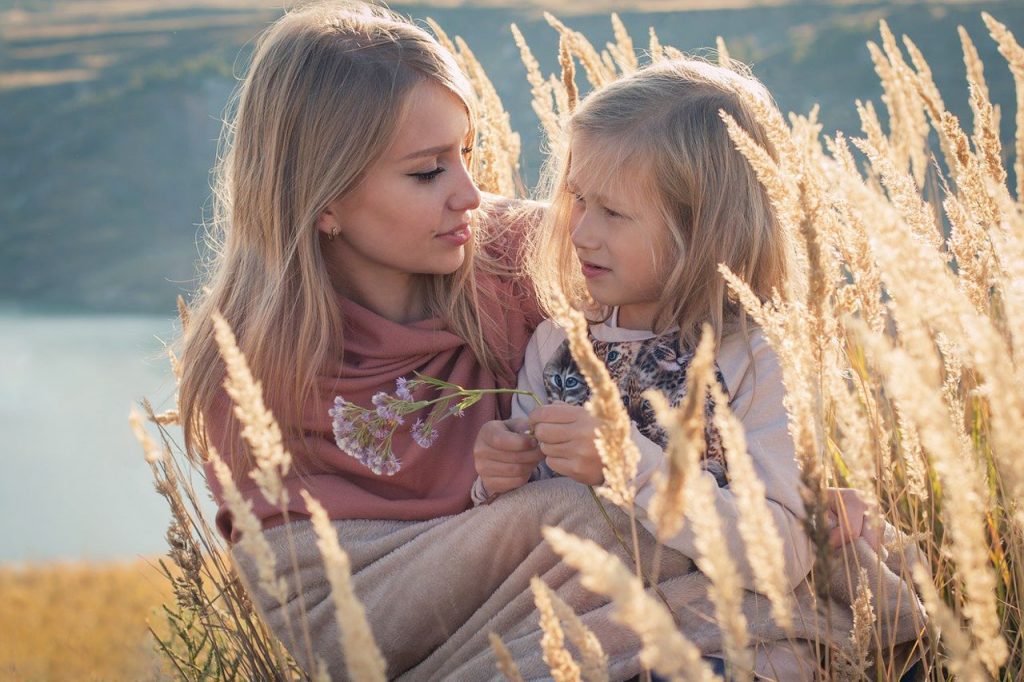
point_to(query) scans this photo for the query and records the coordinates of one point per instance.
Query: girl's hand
(504, 455)
(849, 514)
(566, 436)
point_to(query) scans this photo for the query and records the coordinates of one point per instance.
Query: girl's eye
(428, 175)
(610, 213)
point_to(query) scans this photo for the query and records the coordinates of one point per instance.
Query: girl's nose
(465, 195)
(583, 236)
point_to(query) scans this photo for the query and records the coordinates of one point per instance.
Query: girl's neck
(637, 316)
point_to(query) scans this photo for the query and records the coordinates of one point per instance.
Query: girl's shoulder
(745, 357)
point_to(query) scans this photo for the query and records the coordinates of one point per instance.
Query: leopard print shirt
(635, 366)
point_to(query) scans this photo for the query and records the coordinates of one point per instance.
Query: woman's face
(410, 214)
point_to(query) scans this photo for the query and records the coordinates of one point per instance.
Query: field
(901, 344)
(81, 621)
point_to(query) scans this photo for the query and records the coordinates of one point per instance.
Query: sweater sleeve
(754, 379)
(541, 346)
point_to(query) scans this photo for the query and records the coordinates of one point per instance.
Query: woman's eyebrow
(430, 151)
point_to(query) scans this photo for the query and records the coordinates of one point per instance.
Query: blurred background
(110, 112)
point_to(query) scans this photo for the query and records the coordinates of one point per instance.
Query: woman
(352, 250)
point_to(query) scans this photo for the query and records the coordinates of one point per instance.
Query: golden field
(81, 621)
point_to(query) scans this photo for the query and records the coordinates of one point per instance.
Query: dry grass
(81, 621)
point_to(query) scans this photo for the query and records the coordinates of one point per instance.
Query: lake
(74, 483)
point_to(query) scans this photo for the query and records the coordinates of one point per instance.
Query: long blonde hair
(325, 92)
(659, 130)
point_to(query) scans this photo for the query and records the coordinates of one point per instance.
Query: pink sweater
(431, 483)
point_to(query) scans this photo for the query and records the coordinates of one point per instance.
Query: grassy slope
(105, 172)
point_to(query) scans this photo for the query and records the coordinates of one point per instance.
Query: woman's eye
(428, 175)
(610, 213)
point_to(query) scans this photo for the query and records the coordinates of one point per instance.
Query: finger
(519, 425)
(524, 457)
(503, 439)
(555, 413)
(576, 469)
(492, 469)
(552, 434)
(498, 485)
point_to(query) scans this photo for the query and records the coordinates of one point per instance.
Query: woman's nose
(465, 195)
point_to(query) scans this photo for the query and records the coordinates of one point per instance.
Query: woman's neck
(402, 300)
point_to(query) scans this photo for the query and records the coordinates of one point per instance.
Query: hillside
(110, 109)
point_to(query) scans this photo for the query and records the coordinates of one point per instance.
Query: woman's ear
(327, 223)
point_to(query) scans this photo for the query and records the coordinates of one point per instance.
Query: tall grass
(901, 337)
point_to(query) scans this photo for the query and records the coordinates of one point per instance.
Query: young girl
(652, 198)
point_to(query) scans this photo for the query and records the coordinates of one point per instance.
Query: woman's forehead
(434, 119)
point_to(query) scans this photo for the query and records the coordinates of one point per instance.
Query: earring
(334, 233)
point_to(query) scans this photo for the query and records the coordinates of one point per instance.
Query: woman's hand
(849, 514)
(504, 455)
(566, 437)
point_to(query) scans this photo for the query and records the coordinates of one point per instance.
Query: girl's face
(410, 214)
(623, 248)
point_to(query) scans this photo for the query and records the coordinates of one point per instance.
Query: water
(73, 483)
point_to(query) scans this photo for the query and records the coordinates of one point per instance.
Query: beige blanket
(435, 589)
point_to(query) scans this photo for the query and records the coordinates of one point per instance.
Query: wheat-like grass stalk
(543, 96)
(572, 94)
(664, 649)
(764, 547)
(655, 52)
(622, 49)
(506, 666)
(724, 60)
(1014, 55)
(686, 446)
(552, 643)
(618, 452)
(963, 489)
(962, 659)
(362, 657)
(593, 660)
(598, 71)
(975, 69)
(259, 428)
(694, 493)
(500, 145)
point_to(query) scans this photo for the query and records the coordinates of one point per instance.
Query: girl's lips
(457, 237)
(591, 270)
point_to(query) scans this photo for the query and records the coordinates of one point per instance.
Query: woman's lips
(590, 270)
(457, 237)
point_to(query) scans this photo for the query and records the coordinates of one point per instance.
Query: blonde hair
(327, 87)
(659, 130)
